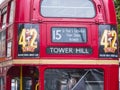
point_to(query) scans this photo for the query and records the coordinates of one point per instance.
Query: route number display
(69, 34)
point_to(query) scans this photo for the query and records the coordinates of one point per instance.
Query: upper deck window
(68, 8)
(4, 17)
(12, 10)
(4, 20)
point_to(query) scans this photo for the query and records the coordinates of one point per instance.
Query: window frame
(11, 11)
(86, 74)
(1, 83)
(47, 16)
(0, 18)
(3, 43)
(4, 13)
(27, 83)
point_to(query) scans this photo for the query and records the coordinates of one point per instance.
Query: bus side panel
(22, 10)
(112, 78)
(110, 11)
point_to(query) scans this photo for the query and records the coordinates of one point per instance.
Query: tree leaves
(117, 6)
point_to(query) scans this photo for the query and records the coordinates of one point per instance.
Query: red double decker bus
(58, 45)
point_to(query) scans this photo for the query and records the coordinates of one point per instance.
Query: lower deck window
(27, 83)
(74, 79)
(1, 83)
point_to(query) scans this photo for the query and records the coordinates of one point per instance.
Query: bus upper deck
(58, 45)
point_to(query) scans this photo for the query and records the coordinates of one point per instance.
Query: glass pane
(1, 84)
(15, 84)
(12, 10)
(69, 34)
(68, 8)
(3, 43)
(27, 83)
(74, 79)
(4, 20)
(0, 44)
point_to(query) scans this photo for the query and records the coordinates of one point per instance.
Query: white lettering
(74, 39)
(61, 50)
(81, 50)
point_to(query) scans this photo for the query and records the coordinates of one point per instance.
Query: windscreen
(74, 79)
(68, 8)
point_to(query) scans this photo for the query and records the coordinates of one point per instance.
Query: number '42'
(109, 39)
(28, 38)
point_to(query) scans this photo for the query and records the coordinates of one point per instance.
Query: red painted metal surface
(28, 11)
(32, 15)
(110, 73)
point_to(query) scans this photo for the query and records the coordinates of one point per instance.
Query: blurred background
(117, 6)
(1, 1)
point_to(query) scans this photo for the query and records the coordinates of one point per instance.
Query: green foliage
(117, 6)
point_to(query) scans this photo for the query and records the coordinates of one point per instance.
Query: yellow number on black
(22, 38)
(34, 36)
(104, 39)
(114, 34)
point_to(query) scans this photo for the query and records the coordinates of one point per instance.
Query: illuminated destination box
(68, 50)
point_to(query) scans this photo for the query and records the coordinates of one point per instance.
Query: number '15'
(57, 35)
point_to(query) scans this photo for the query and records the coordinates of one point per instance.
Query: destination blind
(68, 50)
